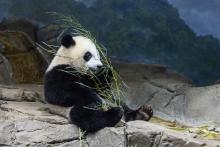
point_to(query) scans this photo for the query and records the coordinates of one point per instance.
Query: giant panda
(66, 86)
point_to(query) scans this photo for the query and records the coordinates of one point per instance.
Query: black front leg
(102, 79)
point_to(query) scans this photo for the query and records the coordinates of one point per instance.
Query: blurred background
(181, 34)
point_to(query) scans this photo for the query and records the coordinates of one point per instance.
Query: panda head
(78, 52)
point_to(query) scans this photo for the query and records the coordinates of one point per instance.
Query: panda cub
(66, 86)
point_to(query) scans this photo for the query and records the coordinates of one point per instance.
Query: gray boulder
(155, 85)
(19, 24)
(5, 71)
(202, 105)
(172, 96)
(20, 57)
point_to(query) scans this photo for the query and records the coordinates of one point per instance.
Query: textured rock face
(171, 95)
(50, 33)
(156, 86)
(142, 134)
(5, 71)
(18, 24)
(17, 44)
(108, 137)
(24, 121)
(22, 56)
(202, 105)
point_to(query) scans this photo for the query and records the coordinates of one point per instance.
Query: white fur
(74, 55)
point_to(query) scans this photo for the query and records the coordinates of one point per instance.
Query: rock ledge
(24, 122)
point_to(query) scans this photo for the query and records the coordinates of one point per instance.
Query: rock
(10, 93)
(217, 82)
(18, 24)
(42, 132)
(144, 134)
(25, 132)
(147, 81)
(172, 96)
(202, 105)
(5, 71)
(25, 122)
(22, 56)
(49, 33)
(108, 137)
(7, 130)
(155, 85)
(75, 143)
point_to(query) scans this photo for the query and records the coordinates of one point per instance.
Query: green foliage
(150, 29)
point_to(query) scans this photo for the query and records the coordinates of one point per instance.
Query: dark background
(182, 34)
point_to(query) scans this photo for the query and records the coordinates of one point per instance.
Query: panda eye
(87, 56)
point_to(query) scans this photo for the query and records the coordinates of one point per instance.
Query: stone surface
(25, 62)
(172, 96)
(108, 137)
(144, 134)
(49, 33)
(202, 105)
(26, 122)
(5, 71)
(25, 132)
(18, 24)
(155, 85)
(75, 143)
(21, 92)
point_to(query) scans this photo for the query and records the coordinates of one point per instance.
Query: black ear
(67, 41)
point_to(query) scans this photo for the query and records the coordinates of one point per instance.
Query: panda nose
(99, 66)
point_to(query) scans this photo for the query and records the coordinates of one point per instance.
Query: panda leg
(92, 120)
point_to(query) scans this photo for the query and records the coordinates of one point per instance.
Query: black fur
(91, 120)
(67, 41)
(64, 86)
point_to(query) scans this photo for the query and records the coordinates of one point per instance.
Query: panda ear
(67, 41)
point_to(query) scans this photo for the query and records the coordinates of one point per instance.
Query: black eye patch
(87, 56)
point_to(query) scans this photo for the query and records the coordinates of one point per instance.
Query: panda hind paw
(145, 112)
